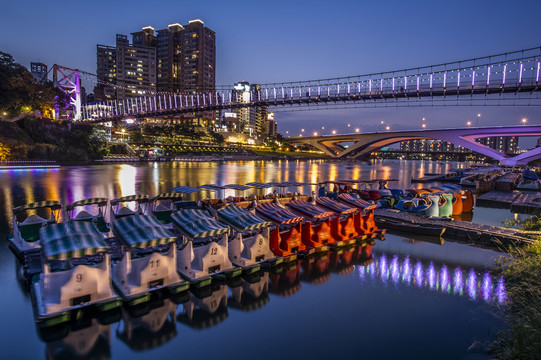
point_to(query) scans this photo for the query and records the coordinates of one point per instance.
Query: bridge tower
(69, 83)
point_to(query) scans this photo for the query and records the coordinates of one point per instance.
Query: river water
(413, 299)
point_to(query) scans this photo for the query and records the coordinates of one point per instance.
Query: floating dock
(500, 199)
(428, 178)
(527, 203)
(461, 231)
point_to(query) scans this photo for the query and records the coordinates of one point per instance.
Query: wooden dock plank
(497, 198)
(462, 231)
(527, 203)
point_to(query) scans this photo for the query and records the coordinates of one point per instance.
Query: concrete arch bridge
(364, 144)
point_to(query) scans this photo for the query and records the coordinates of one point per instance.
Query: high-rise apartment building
(505, 144)
(38, 71)
(176, 59)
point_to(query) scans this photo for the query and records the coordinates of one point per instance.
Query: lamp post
(478, 116)
(524, 120)
(315, 133)
(468, 123)
(123, 131)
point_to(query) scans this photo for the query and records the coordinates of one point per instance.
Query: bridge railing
(516, 71)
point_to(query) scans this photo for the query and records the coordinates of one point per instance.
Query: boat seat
(84, 215)
(29, 228)
(33, 219)
(124, 211)
(161, 207)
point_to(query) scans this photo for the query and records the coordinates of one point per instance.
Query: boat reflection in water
(392, 269)
(206, 307)
(88, 339)
(252, 293)
(148, 325)
(315, 269)
(286, 280)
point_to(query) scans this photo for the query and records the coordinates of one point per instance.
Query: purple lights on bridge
(472, 284)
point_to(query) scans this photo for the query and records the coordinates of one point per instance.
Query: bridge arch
(364, 144)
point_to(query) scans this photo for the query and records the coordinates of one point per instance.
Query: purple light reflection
(395, 270)
(472, 284)
(418, 273)
(458, 281)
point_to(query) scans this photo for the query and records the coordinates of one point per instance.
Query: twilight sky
(274, 41)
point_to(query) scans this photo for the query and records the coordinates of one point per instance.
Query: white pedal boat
(76, 272)
(96, 217)
(149, 259)
(250, 244)
(203, 246)
(26, 233)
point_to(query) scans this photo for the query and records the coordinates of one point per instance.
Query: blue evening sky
(273, 41)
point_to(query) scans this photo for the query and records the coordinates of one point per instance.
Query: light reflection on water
(471, 283)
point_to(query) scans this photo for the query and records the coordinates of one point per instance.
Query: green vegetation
(522, 274)
(19, 93)
(42, 139)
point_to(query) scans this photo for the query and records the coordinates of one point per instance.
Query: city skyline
(298, 42)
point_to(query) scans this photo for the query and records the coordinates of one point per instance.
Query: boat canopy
(241, 218)
(138, 198)
(198, 223)
(142, 231)
(237, 187)
(278, 214)
(212, 187)
(336, 206)
(91, 201)
(185, 189)
(52, 204)
(260, 185)
(167, 196)
(310, 209)
(71, 239)
(353, 201)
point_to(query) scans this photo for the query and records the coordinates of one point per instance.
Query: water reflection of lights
(126, 179)
(451, 281)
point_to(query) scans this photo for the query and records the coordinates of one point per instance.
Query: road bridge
(364, 144)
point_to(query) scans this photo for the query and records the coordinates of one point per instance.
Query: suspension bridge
(502, 79)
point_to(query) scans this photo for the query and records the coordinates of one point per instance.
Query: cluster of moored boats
(148, 244)
(436, 202)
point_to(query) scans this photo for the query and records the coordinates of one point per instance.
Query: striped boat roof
(185, 189)
(360, 203)
(52, 204)
(335, 205)
(278, 214)
(142, 231)
(163, 196)
(90, 201)
(213, 187)
(259, 185)
(138, 198)
(237, 187)
(310, 209)
(198, 223)
(71, 239)
(241, 218)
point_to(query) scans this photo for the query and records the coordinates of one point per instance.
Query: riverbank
(522, 274)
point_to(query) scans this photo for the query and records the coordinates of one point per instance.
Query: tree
(4, 152)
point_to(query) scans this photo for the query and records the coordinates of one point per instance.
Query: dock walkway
(527, 203)
(495, 198)
(461, 231)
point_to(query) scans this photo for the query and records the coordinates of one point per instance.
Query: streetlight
(468, 123)
(349, 125)
(357, 130)
(524, 121)
(478, 116)
(323, 128)
(315, 133)
(388, 128)
(302, 130)
(123, 131)
(334, 132)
